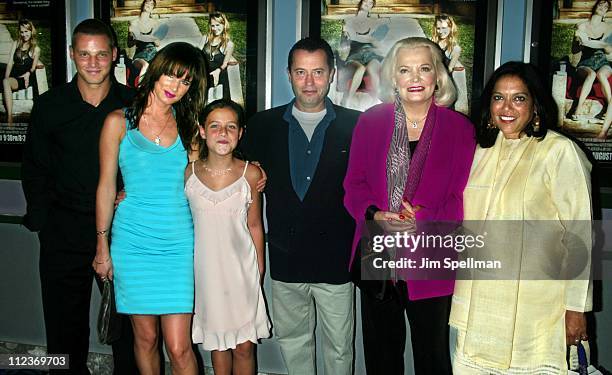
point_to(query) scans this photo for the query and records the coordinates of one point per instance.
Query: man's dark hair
(311, 45)
(93, 26)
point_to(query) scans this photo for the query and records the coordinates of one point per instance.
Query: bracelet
(102, 232)
(107, 259)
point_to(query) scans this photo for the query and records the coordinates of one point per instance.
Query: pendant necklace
(415, 123)
(157, 139)
(216, 172)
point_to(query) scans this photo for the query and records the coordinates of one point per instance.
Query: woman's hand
(103, 265)
(403, 221)
(408, 211)
(215, 74)
(575, 327)
(119, 198)
(394, 222)
(388, 216)
(261, 184)
(26, 78)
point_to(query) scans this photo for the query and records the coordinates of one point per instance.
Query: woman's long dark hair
(143, 4)
(361, 2)
(175, 59)
(597, 4)
(543, 102)
(217, 104)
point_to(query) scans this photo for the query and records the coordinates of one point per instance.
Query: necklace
(157, 137)
(415, 123)
(22, 55)
(216, 172)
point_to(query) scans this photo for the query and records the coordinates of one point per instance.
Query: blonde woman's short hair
(446, 92)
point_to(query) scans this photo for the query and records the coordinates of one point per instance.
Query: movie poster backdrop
(219, 28)
(581, 50)
(32, 60)
(362, 32)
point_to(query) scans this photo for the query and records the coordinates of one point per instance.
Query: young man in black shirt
(59, 176)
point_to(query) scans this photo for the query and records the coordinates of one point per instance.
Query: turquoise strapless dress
(152, 233)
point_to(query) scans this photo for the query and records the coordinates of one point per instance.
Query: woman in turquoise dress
(152, 230)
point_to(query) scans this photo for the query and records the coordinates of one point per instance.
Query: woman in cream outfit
(524, 174)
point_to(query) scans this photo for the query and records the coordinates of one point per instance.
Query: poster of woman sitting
(581, 50)
(361, 33)
(144, 27)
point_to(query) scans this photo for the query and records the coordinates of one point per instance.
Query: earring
(396, 93)
(490, 126)
(536, 122)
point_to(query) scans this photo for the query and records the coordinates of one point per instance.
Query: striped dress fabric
(152, 232)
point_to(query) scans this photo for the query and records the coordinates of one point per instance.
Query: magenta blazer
(440, 191)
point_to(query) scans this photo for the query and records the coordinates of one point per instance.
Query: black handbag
(376, 284)
(109, 322)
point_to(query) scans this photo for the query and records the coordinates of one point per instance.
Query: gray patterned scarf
(404, 170)
(398, 158)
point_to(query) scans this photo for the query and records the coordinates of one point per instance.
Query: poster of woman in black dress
(219, 49)
(32, 59)
(21, 66)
